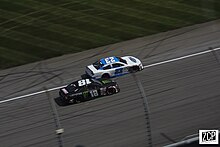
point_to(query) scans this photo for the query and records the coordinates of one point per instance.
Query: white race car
(113, 66)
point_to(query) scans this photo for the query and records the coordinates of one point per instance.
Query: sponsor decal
(105, 81)
(208, 136)
(86, 94)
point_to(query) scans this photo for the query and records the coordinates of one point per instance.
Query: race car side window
(81, 89)
(107, 67)
(93, 86)
(116, 65)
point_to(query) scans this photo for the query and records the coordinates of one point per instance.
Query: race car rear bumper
(89, 71)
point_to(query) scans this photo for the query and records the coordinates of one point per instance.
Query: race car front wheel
(111, 90)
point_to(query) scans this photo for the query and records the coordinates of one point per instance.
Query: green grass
(32, 30)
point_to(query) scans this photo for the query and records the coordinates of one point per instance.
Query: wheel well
(111, 90)
(134, 69)
(105, 75)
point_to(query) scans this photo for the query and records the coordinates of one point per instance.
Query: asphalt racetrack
(183, 96)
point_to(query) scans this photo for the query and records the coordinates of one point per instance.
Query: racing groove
(183, 96)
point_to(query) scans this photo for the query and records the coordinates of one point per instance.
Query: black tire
(111, 90)
(105, 76)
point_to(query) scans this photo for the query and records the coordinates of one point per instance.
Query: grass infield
(32, 30)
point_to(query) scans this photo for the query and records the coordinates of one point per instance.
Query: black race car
(87, 89)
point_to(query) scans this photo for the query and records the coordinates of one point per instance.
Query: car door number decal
(84, 82)
(94, 93)
(118, 71)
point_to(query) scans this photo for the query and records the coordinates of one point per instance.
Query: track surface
(183, 96)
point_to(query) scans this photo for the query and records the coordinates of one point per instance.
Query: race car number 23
(109, 60)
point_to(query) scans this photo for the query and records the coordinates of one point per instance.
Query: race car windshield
(122, 60)
(96, 81)
(97, 64)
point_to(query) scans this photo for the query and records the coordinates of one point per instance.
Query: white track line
(31, 94)
(147, 66)
(180, 58)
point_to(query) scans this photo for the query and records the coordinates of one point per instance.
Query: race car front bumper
(141, 67)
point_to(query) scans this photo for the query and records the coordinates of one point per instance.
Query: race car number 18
(84, 82)
(94, 93)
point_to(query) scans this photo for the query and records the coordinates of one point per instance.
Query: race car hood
(132, 60)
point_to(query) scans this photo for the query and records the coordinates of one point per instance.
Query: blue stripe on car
(114, 76)
(116, 59)
(103, 61)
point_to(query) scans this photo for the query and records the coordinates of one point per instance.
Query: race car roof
(109, 60)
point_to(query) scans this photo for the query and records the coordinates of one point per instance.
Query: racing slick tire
(105, 76)
(111, 90)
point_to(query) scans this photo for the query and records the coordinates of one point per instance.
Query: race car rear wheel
(111, 90)
(105, 76)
